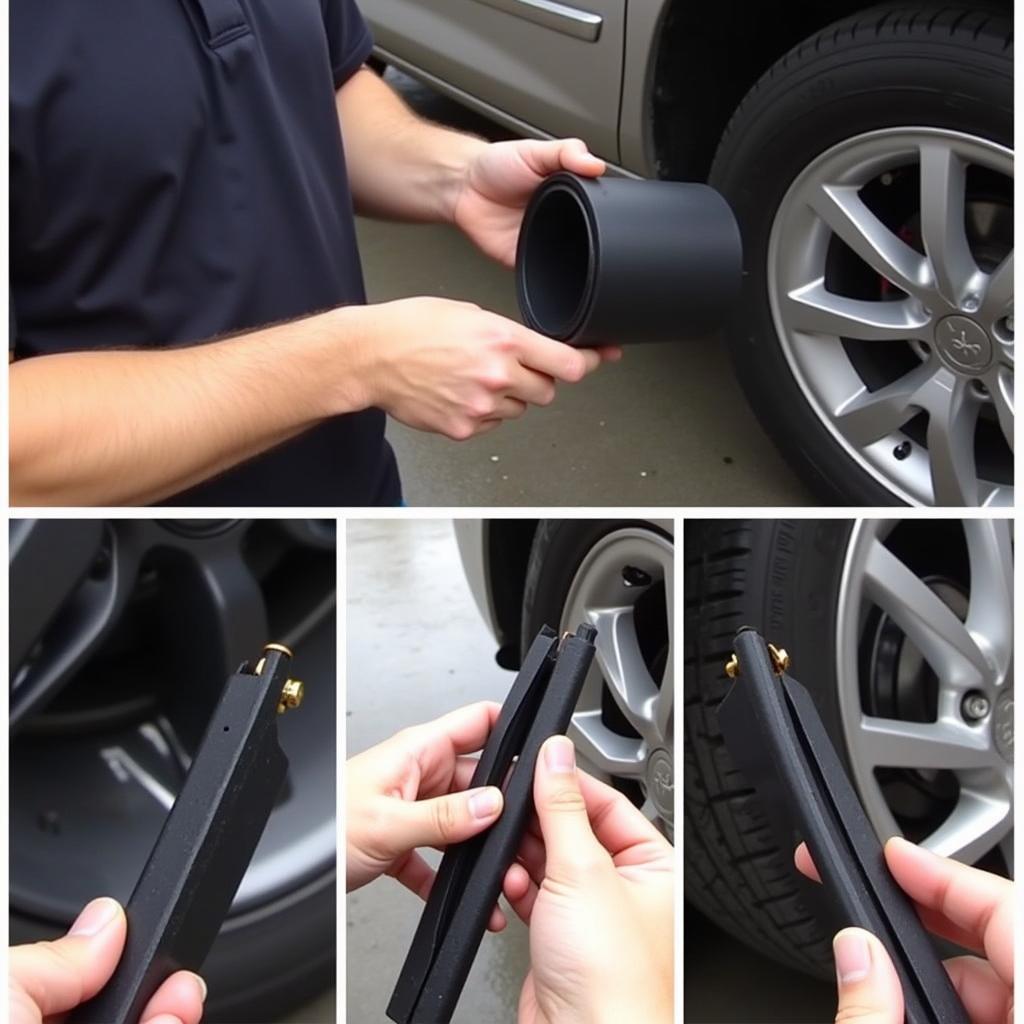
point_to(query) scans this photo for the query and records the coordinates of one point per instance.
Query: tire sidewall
(799, 113)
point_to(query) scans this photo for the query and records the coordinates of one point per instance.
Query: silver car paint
(556, 83)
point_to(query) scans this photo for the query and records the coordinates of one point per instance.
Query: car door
(555, 65)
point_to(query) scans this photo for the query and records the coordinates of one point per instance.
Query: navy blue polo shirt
(177, 173)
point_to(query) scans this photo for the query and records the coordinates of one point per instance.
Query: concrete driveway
(417, 648)
(667, 426)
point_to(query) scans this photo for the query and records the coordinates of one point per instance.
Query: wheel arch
(507, 544)
(689, 100)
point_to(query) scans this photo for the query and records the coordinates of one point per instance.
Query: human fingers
(935, 922)
(442, 820)
(509, 407)
(546, 157)
(180, 998)
(437, 744)
(986, 997)
(554, 358)
(418, 877)
(869, 988)
(521, 891)
(56, 976)
(532, 387)
(977, 902)
(621, 827)
(570, 846)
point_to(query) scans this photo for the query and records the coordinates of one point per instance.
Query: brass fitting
(780, 659)
(291, 696)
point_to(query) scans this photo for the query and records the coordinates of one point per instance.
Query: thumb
(569, 841)
(57, 976)
(444, 819)
(869, 989)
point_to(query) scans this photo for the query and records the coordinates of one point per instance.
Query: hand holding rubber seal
(774, 734)
(186, 888)
(468, 882)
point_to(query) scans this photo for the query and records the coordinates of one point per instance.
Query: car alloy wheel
(928, 631)
(623, 724)
(890, 280)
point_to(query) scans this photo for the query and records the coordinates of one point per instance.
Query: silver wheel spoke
(943, 220)
(980, 821)
(930, 624)
(990, 613)
(815, 310)
(894, 743)
(603, 749)
(1002, 398)
(1006, 848)
(841, 207)
(952, 418)
(619, 658)
(998, 301)
(868, 416)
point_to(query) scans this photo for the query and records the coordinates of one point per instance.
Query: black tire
(559, 549)
(780, 576)
(559, 546)
(945, 67)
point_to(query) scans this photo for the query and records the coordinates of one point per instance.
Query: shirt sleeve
(348, 38)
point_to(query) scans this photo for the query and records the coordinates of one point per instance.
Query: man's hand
(458, 370)
(47, 979)
(499, 181)
(971, 908)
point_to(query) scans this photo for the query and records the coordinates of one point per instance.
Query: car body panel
(554, 81)
(471, 537)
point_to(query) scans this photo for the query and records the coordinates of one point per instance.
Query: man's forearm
(399, 165)
(133, 427)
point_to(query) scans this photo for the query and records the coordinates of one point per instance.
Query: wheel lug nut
(634, 577)
(902, 450)
(975, 707)
(971, 303)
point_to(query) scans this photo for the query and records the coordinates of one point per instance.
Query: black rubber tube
(614, 261)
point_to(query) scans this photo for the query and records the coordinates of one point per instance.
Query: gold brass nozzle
(291, 696)
(278, 647)
(271, 647)
(780, 659)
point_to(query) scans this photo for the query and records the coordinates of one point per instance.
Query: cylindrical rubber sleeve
(616, 261)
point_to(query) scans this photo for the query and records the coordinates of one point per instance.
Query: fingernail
(560, 755)
(485, 803)
(95, 917)
(201, 985)
(853, 957)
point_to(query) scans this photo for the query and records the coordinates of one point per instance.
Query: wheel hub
(661, 784)
(1002, 726)
(963, 345)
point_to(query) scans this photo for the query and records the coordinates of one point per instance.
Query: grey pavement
(416, 648)
(666, 426)
(726, 982)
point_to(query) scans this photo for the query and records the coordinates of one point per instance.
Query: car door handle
(570, 21)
